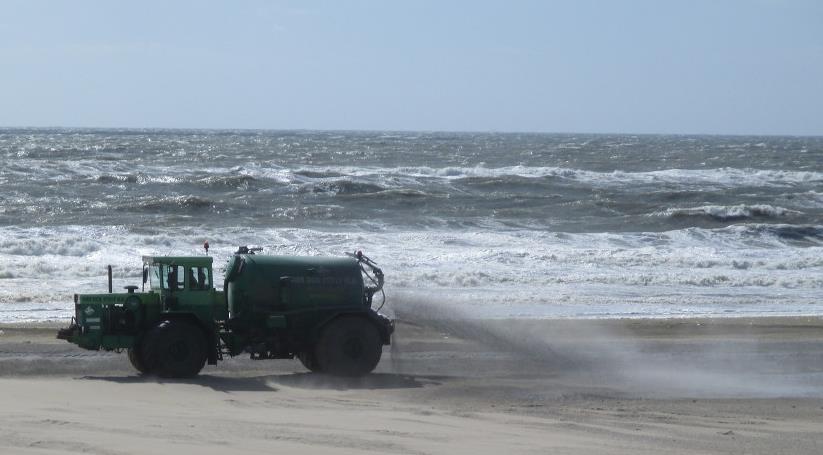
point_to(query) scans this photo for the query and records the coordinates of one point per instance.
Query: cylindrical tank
(257, 285)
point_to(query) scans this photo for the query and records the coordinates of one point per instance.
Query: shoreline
(607, 319)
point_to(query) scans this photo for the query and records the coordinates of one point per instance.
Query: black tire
(309, 360)
(136, 359)
(349, 346)
(174, 349)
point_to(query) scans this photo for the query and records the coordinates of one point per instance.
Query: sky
(628, 66)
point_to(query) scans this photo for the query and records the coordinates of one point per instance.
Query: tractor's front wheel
(174, 349)
(349, 346)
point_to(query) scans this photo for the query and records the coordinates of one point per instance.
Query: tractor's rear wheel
(349, 346)
(136, 359)
(175, 349)
(309, 360)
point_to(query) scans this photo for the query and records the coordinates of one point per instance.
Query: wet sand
(445, 386)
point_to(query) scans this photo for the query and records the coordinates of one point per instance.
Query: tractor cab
(184, 283)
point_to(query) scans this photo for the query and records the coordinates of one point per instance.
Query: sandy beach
(564, 386)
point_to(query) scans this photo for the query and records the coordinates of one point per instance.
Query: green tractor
(318, 309)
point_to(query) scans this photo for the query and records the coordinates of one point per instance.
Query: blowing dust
(653, 358)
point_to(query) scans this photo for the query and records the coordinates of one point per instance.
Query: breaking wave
(172, 203)
(724, 177)
(729, 212)
(230, 181)
(345, 187)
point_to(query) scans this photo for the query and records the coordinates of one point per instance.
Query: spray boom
(376, 276)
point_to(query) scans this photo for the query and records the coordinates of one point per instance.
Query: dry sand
(627, 387)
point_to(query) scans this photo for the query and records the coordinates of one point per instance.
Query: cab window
(199, 278)
(174, 277)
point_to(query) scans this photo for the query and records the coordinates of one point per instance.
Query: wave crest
(176, 202)
(729, 212)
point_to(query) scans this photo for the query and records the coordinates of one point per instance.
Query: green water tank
(259, 285)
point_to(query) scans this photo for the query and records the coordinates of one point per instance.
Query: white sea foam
(142, 173)
(729, 212)
(731, 271)
(722, 177)
(715, 177)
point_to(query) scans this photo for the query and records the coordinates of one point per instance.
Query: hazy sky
(722, 66)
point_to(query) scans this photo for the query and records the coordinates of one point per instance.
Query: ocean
(489, 224)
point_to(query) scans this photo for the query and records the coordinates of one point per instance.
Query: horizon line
(429, 131)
